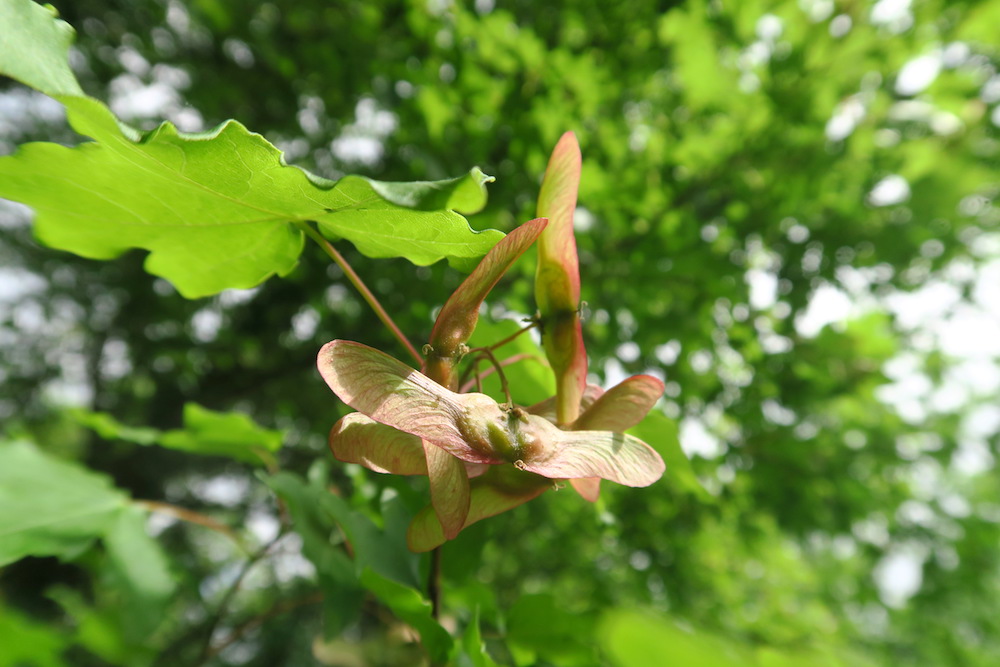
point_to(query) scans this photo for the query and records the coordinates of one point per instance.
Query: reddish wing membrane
(621, 407)
(557, 279)
(392, 393)
(359, 439)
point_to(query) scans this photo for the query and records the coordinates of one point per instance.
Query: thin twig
(499, 369)
(534, 323)
(191, 517)
(220, 612)
(359, 285)
(466, 386)
(280, 608)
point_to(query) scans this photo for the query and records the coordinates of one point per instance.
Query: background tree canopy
(786, 212)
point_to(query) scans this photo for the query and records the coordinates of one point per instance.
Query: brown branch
(191, 517)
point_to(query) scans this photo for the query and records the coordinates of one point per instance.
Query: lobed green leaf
(215, 210)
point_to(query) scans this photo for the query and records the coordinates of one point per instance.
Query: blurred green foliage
(725, 144)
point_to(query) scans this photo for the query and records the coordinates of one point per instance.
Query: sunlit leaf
(216, 209)
(34, 46)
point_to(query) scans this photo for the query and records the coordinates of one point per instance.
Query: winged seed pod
(557, 278)
(477, 430)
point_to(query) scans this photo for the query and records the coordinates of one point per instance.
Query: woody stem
(359, 285)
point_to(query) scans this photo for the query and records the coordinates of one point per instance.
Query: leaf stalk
(359, 285)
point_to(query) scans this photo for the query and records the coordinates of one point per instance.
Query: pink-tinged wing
(473, 470)
(557, 279)
(457, 319)
(358, 439)
(488, 498)
(589, 488)
(392, 393)
(623, 406)
(617, 457)
(449, 488)
(547, 408)
(557, 282)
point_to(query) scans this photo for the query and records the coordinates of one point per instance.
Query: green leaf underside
(50, 507)
(343, 594)
(35, 53)
(217, 209)
(207, 432)
(411, 607)
(472, 643)
(473, 427)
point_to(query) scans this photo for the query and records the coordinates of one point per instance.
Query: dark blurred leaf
(27, 643)
(207, 432)
(541, 625)
(141, 574)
